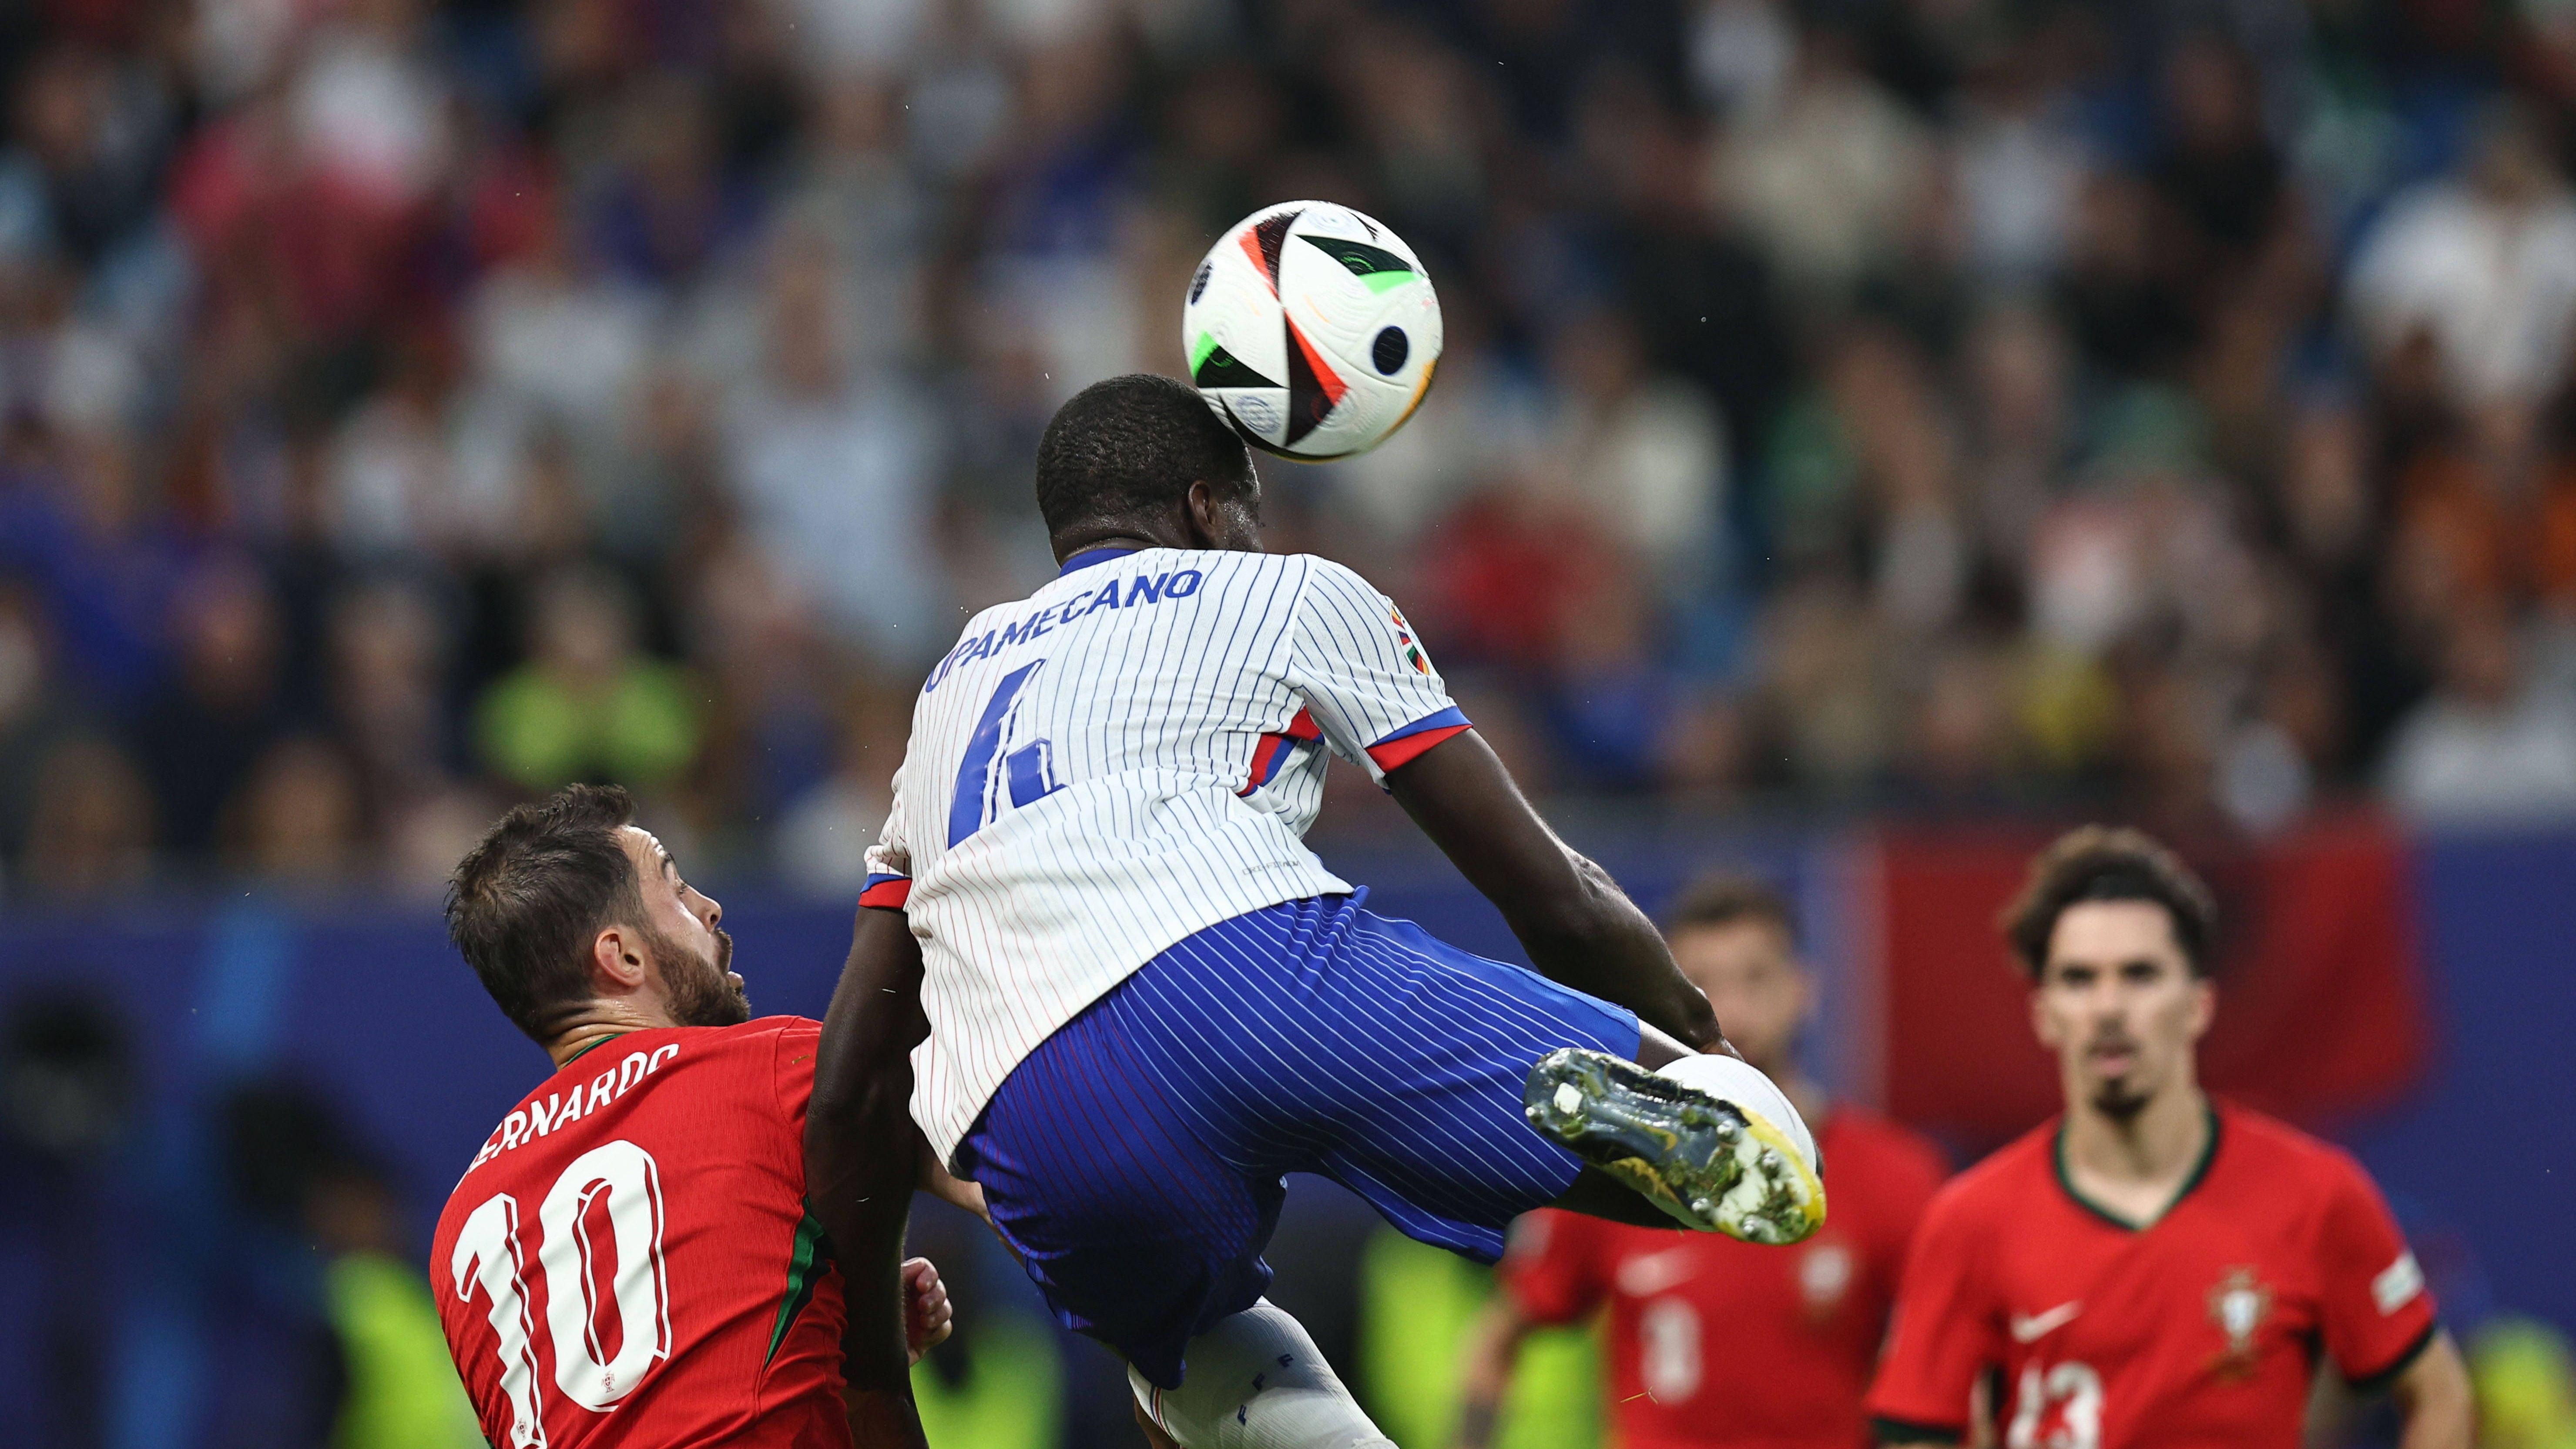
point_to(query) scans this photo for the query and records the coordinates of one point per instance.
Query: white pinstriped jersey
(1125, 757)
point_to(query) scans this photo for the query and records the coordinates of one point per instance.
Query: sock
(1256, 1382)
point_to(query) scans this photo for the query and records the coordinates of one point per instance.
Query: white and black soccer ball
(1312, 329)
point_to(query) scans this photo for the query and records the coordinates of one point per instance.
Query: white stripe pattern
(1101, 730)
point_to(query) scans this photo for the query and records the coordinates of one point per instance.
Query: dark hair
(526, 903)
(2098, 863)
(1130, 448)
(1725, 900)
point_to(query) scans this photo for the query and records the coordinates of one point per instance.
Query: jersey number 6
(1028, 773)
(488, 1256)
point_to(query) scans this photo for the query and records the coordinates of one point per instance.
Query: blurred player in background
(1695, 1320)
(1148, 1000)
(630, 1259)
(2153, 1267)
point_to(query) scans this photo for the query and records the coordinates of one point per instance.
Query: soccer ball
(1312, 330)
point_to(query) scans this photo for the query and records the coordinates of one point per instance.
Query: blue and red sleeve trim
(1408, 743)
(1277, 748)
(886, 891)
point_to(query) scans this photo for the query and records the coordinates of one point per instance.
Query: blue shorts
(1134, 1160)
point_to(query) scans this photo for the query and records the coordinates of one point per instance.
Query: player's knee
(1256, 1381)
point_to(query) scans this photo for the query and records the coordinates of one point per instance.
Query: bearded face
(702, 991)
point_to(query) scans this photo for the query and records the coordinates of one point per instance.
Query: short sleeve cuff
(1408, 743)
(2374, 1381)
(888, 892)
(1907, 1431)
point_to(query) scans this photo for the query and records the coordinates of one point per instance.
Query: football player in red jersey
(2152, 1268)
(1694, 1317)
(630, 1258)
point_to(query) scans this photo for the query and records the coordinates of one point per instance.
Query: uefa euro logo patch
(1404, 637)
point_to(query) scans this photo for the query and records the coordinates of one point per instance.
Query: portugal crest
(2238, 1305)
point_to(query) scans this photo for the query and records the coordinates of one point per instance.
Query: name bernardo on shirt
(535, 1120)
(1137, 591)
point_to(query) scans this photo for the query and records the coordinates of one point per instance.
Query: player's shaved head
(1126, 451)
(2098, 863)
(526, 903)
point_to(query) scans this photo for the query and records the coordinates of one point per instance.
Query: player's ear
(1223, 516)
(1206, 516)
(2204, 1005)
(616, 961)
(2042, 1025)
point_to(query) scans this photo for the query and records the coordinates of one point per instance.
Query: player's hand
(928, 1317)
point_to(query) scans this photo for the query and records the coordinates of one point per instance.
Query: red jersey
(2201, 1329)
(1717, 1342)
(628, 1259)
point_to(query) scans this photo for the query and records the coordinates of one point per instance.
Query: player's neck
(1125, 539)
(2141, 1156)
(600, 1020)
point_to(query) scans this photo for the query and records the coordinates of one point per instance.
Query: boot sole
(1707, 1162)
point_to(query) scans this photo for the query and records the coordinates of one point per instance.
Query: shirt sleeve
(1367, 682)
(889, 882)
(1944, 1332)
(1551, 1266)
(2377, 1312)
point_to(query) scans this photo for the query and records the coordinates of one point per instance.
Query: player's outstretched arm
(1577, 925)
(862, 1160)
(2434, 1398)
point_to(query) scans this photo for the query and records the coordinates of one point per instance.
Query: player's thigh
(1135, 1231)
(1434, 1134)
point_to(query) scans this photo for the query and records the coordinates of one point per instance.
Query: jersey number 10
(488, 1256)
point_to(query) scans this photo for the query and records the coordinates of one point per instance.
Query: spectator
(388, 662)
(223, 706)
(2483, 747)
(1646, 455)
(1904, 358)
(36, 711)
(90, 829)
(834, 470)
(1828, 179)
(2485, 264)
(296, 821)
(587, 705)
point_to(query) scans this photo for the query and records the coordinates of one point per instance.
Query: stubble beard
(700, 991)
(2120, 1101)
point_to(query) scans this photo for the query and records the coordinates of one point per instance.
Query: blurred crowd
(1913, 405)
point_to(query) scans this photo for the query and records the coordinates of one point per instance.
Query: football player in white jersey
(1147, 1001)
